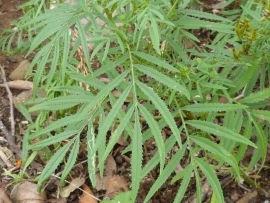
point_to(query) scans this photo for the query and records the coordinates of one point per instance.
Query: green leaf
(214, 198)
(166, 172)
(211, 177)
(169, 143)
(261, 114)
(104, 92)
(256, 97)
(247, 134)
(219, 131)
(162, 108)
(53, 139)
(198, 186)
(204, 15)
(113, 114)
(184, 184)
(261, 151)
(245, 77)
(116, 134)
(156, 61)
(62, 102)
(158, 76)
(156, 131)
(51, 166)
(29, 160)
(218, 151)
(154, 34)
(59, 123)
(213, 107)
(84, 44)
(136, 157)
(181, 174)
(25, 112)
(188, 22)
(71, 159)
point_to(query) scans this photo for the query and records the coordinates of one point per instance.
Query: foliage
(141, 49)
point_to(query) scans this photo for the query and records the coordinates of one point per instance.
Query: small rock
(23, 97)
(119, 160)
(27, 192)
(20, 72)
(249, 198)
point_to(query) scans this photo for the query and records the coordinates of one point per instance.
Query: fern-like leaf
(156, 61)
(156, 133)
(166, 172)
(51, 166)
(213, 107)
(53, 139)
(211, 177)
(71, 159)
(257, 97)
(160, 77)
(162, 108)
(136, 158)
(220, 131)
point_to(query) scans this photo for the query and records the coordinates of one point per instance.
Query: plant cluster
(213, 100)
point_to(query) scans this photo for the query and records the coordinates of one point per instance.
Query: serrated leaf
(158, 76)
(219, 131)
(156, 61)
(166, 172)
(116, 134)
(180, 174)
(204, 15)
(154, 34)
(261, 114)
(25, 112)
(62, 102)
(48, 31)
(256, 97)
(71, 159)
(84, 44)
(156, 131)
(59, 123)
(112, 115)
(211, 177)
(261, 151)
(219, 151)
(247, 134)
(53, 139)
(169, 143)
(162, 108)
(245, 77)
(51, 166)
(136, 157)
(104, 92)
(198, 186)
(213, 107)
(184, 184)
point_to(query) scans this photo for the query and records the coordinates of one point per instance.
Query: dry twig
(10, 137)
(11, 118)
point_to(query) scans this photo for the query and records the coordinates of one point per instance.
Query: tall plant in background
(142, 55)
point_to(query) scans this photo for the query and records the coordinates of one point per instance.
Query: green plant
(140, 49)
(22, 175)
(122, 197)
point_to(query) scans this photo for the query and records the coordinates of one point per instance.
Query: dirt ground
(233, 193)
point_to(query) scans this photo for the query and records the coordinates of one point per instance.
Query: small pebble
(119, 160)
